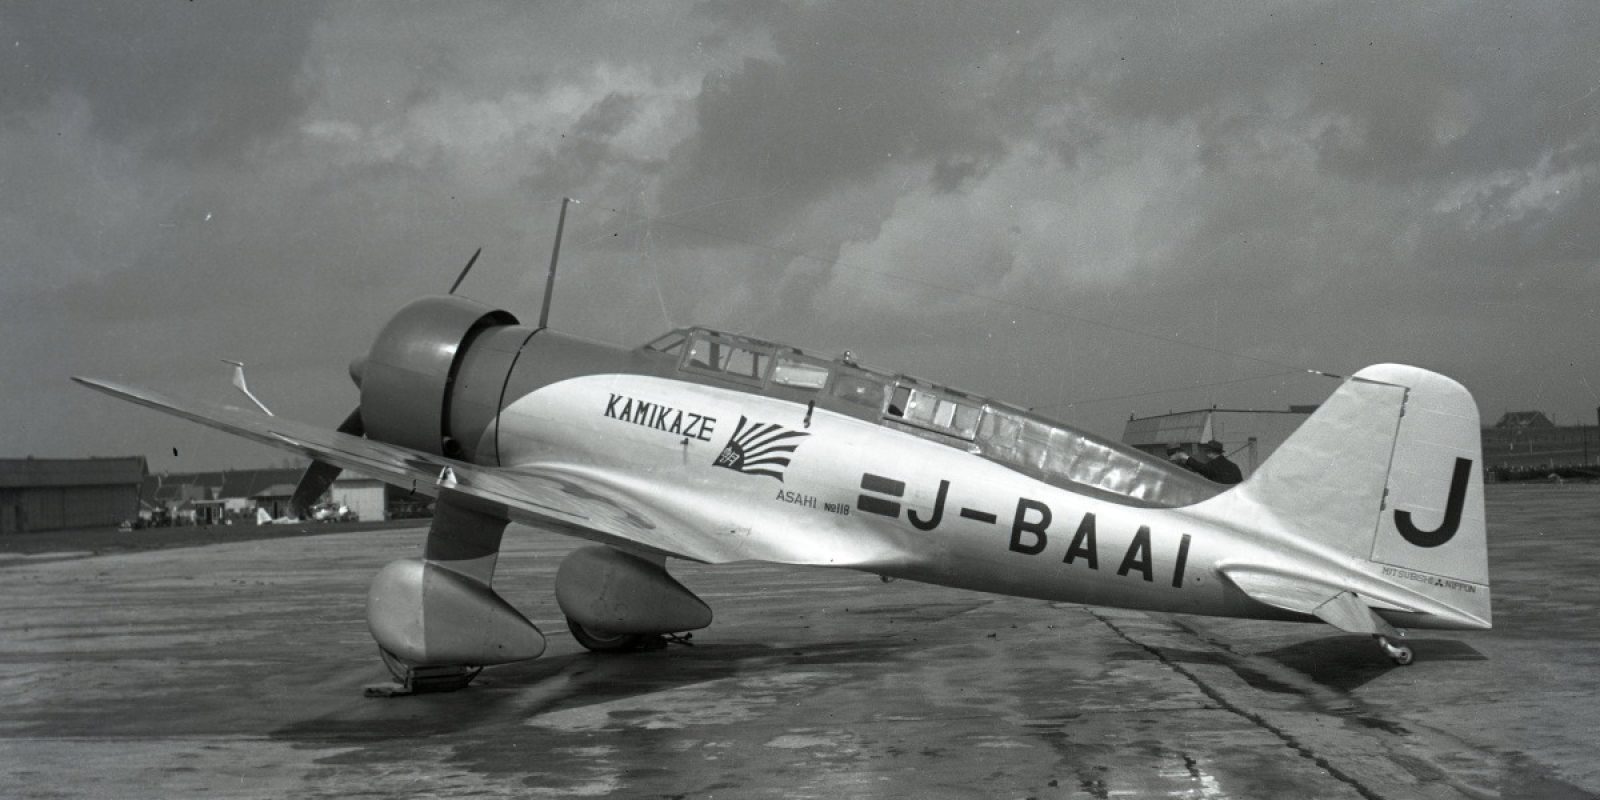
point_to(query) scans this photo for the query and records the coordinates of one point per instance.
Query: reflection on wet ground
(235, 669)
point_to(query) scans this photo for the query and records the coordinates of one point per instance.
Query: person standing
(1216, 465)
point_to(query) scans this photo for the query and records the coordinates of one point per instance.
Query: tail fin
(1389, 472)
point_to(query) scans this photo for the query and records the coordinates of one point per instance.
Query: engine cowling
(434, 377)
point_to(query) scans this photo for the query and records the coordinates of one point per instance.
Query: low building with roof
(1524, 443)
(1520, 445)
(367, 498)
(1248, 436)
(274, 499)
(47, 494)
(212, 498)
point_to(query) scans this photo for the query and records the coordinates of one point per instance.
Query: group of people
(1210, 462)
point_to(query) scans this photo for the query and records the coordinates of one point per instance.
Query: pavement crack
(1289, 740)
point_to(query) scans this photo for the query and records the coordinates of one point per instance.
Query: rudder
(1433, 521)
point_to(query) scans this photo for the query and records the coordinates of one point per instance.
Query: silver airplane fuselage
(902, 506)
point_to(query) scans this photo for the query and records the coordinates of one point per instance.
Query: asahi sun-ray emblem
(757, 449)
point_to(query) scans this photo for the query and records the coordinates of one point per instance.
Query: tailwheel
(607, 642)
(413, 679)
(1399, 654)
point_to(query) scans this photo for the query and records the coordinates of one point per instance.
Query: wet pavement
(235, 670)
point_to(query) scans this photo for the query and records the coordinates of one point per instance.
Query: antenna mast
(555, 254)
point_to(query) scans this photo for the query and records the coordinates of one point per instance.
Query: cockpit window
(671, 343)
(709, 354)
(799, 372)
(744, 363)
(859, 388)
(935, 411)
(966, 419)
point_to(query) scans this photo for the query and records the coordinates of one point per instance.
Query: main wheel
(605, 641)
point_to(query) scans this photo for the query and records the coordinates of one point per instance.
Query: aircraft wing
(561, 497)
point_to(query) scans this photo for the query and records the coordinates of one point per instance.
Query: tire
(604, 642)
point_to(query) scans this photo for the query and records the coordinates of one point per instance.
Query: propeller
(464, 271)
(320, 475)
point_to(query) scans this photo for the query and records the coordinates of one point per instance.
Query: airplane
(712, 447)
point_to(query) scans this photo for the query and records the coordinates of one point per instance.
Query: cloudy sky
(1103, 210)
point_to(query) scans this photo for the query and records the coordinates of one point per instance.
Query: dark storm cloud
(1434, 125)
(1426, 90)
(1545, 224)
(588, 148)
(178, 79)
(848, 91)
(1038, 201)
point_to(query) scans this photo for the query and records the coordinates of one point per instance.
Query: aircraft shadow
(1349, 662)
(515, 692)
(1337, 662)
(589, 679)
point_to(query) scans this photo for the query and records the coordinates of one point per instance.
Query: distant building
(367, 497)
(46, 494)
(212, 498)
(275, 498)
(1520, 445)
(1247, 436)
(1527, 441)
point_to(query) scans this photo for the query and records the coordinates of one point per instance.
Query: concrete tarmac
(236, 670)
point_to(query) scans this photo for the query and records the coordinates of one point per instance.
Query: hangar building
(1521, 445)
(1527, 442)
(367, 497)
(1247, 436)
(212, 498)
(47, 494)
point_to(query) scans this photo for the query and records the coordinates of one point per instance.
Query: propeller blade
(353, 425)
(464, 271)
(320, 475)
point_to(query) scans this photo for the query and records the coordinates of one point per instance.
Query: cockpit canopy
(1041, 448)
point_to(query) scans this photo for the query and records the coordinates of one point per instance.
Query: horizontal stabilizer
(1341, 609)
(1288, 592)
(1347, 613)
